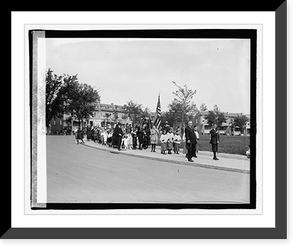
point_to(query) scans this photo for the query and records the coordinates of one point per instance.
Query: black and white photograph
(149, 124)
(147, 118)
(138, 125)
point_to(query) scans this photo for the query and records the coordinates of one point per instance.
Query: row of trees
(182, 109)
(65, 95)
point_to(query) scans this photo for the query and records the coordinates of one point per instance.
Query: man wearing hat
(166, 126)
(214, 140)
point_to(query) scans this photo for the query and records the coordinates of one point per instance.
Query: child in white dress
(163, 140)
(170, 141)
(129, 141)
(177, 141)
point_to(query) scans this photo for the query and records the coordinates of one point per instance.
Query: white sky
(140, 69)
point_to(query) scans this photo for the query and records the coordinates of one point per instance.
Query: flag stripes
(158, 113)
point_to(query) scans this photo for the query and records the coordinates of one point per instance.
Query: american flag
(158, 113)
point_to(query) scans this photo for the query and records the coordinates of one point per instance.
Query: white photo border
(264, 220)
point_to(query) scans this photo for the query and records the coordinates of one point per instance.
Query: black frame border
(280, 230)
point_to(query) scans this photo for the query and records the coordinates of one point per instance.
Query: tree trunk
(182, 119)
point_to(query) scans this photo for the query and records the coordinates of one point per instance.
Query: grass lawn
(228, 144)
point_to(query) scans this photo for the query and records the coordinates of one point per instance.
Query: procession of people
(145, 134)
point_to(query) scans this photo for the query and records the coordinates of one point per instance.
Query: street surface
(80, 174)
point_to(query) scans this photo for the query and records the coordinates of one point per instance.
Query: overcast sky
(140, 69)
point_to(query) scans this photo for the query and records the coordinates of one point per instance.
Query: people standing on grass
(127, 138)
(191, 141)
(214, 140)
(153, 137)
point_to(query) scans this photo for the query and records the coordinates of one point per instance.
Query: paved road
(78, 174)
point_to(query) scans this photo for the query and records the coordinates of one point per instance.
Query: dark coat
(118, 131)
(79, 134)
(190, 135)
(88, 133)
(214, 136)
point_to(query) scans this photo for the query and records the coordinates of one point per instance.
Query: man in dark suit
(191, 141)
(140, 134)
(214, 140)
(118, 134)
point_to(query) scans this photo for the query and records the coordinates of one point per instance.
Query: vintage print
(153, 121)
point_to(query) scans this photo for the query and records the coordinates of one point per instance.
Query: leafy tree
(215, 116)
(133, 110)
(203, 107)
(146, 112)
(174, 114)
(64, 94)
(107, 115)
(82, 99)
(184, 98)
(240, 121)
(54, 98)
(124, 116)
(115, 114)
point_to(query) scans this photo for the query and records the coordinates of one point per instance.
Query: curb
(221, 154)
(171, 161)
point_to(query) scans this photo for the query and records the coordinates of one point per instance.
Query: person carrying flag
(157, 121)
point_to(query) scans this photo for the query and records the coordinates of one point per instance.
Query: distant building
(56, 125)
(108, 114)
(104, 115)
(226, 128)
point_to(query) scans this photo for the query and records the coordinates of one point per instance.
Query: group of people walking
(120, 136)
(145, 134)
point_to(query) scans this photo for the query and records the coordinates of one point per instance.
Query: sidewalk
(227, 162)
